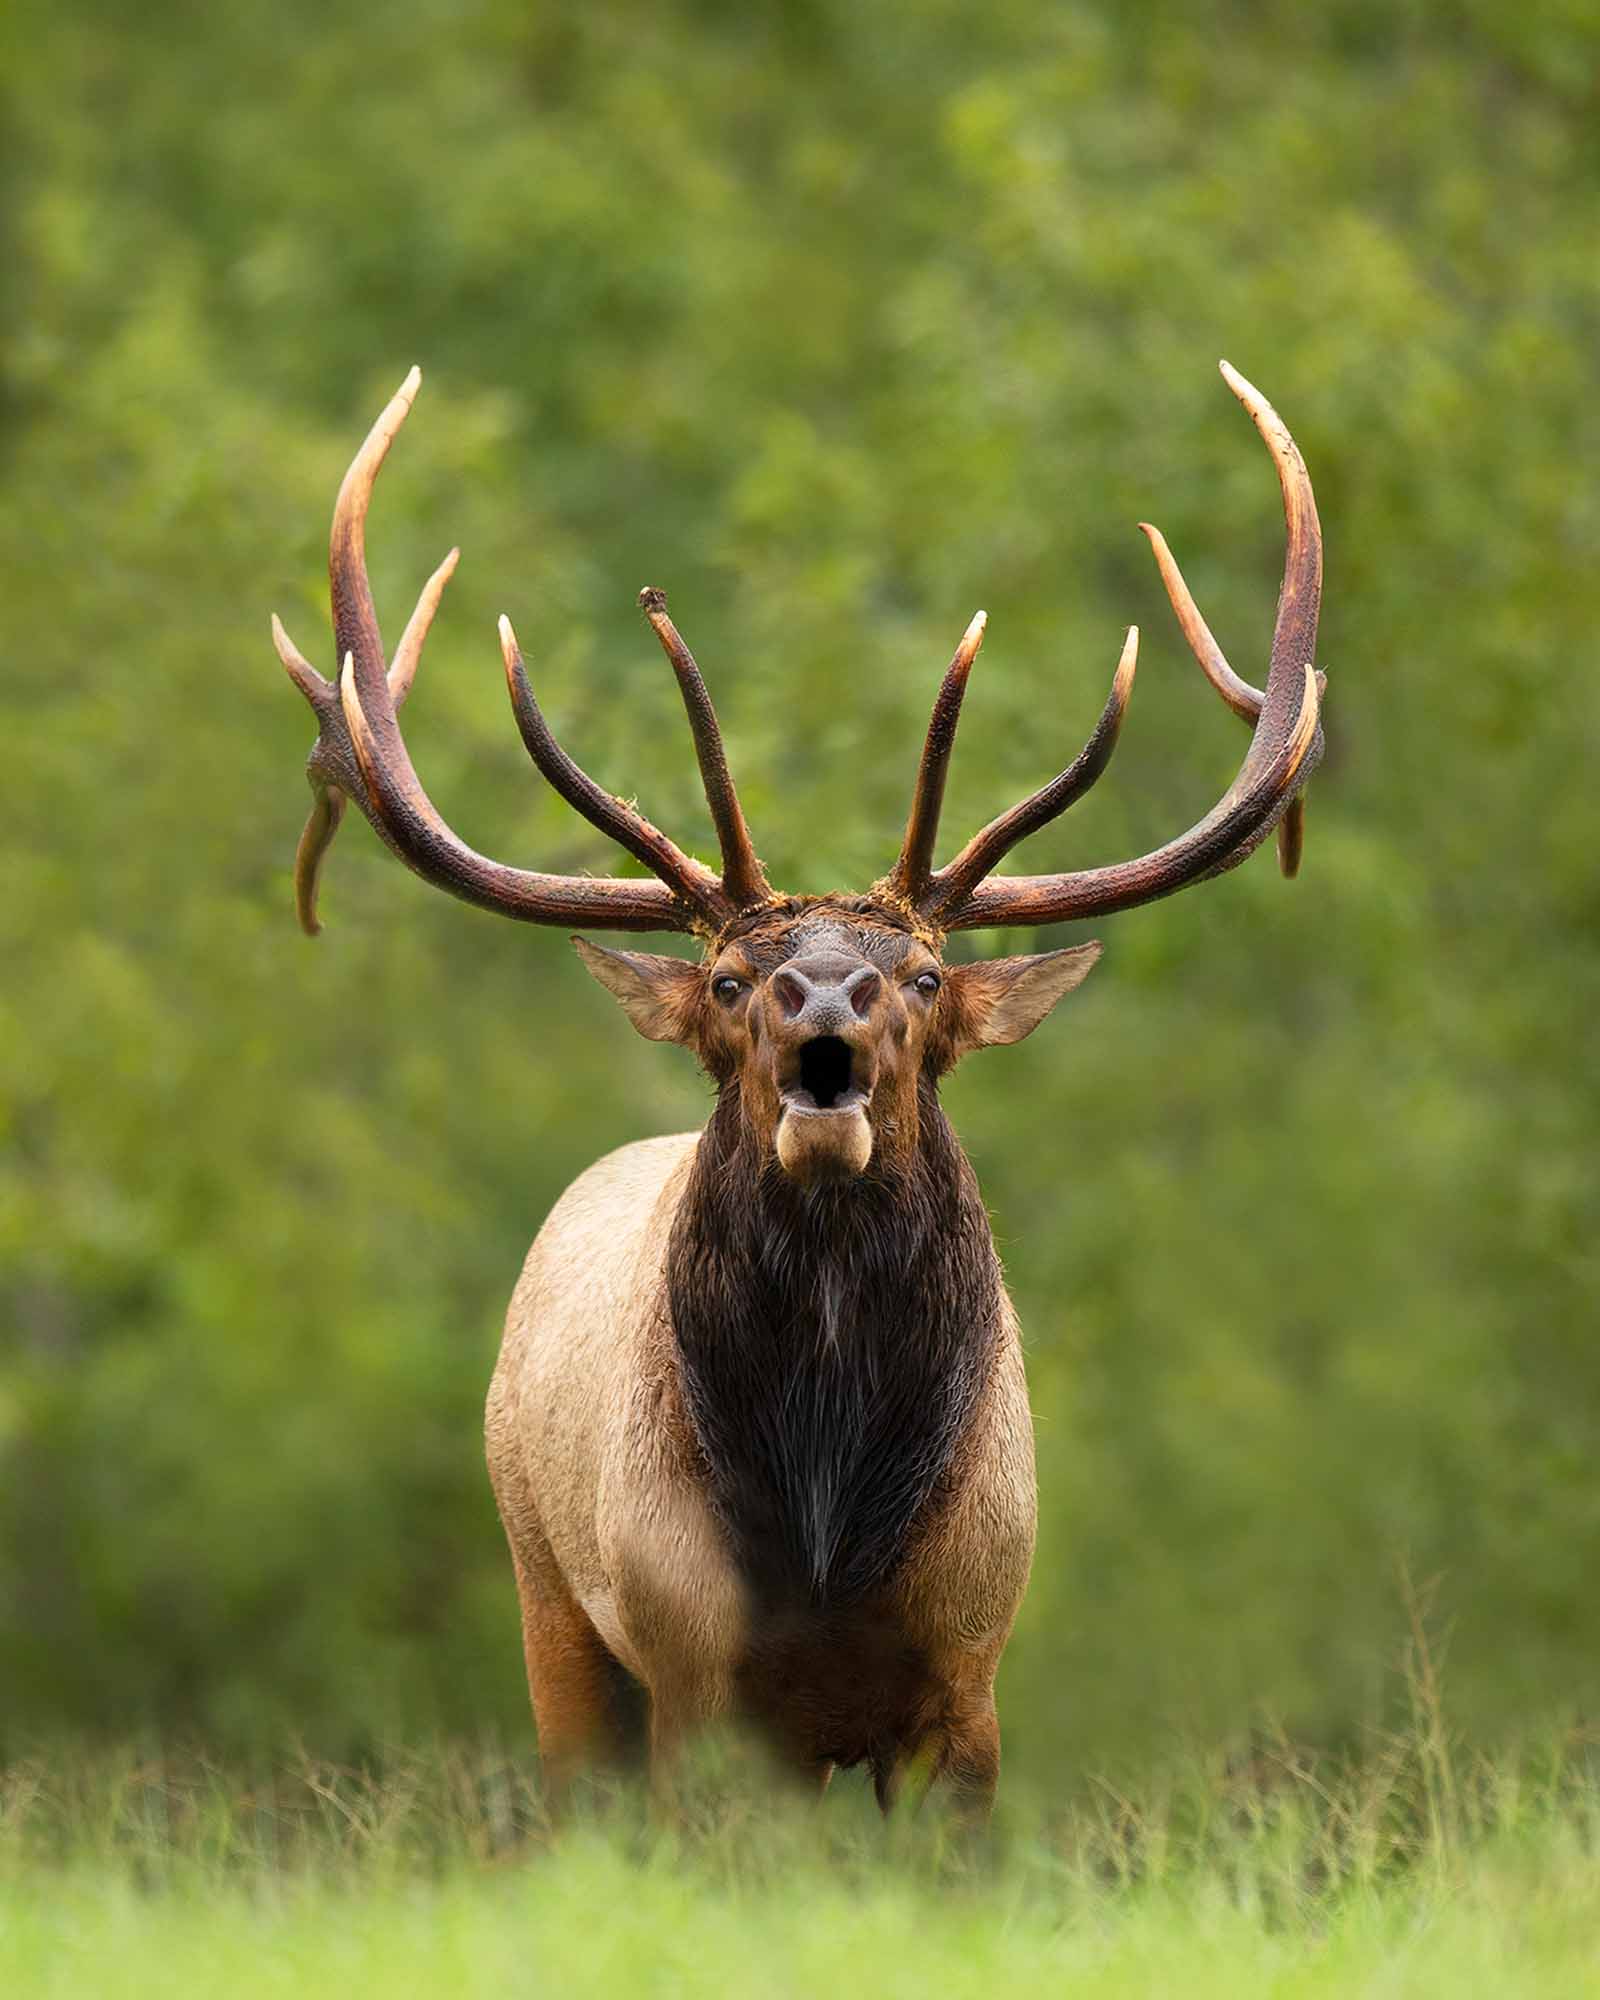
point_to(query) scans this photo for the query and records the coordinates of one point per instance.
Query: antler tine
(1284, 746)
(1292, 835)
(331, 769)
(1228, 834)
(360, 753)
(408, 654)
(299, 669)
(328, 801)
(355, 617)
(327, 810)
(912, 872)
(419, 834)
(744, 881)
(1241, 697)
(316, 837)
(989, 847)
(1294, 630)
(613, 816)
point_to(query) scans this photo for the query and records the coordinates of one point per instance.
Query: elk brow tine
(988, 847)
(408, 654)
(428, 845)
(1292, 837)
(327, 811)
(913, 870)
(1224, 837)
(743, 879)
(623, 823)
(328, 800)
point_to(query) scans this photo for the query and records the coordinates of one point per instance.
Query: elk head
(828, 1014)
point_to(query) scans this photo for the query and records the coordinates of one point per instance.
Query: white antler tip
(1127, 664)
(1249, 395)
(296, 665)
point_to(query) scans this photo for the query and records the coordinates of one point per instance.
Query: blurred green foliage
(837, 322)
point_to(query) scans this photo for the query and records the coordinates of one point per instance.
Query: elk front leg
(572, 1681)
(969, 1762)
(684, 1705)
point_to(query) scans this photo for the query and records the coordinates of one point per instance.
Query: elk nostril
(864, 992)
(791, 994)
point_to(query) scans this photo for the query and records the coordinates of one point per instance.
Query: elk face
(829, 1021)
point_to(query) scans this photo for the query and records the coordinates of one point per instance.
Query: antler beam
(361, 754)
(1284, 748)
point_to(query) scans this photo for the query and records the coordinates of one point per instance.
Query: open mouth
(826, 1078)
(824, 1134)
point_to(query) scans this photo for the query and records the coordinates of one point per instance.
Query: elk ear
(658, 992)
(1001, 1000)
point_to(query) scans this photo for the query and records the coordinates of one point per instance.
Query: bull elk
(759, 1431)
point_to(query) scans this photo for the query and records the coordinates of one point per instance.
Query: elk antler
(743, 879)
(1284, 749)
(911, 874)
(361, 754)
(1240, 696)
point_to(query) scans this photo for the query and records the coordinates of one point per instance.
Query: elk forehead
(827, 933)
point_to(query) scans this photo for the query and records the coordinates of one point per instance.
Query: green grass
(1416, 1869)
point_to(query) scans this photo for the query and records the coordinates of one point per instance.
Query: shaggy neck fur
(833, 1346)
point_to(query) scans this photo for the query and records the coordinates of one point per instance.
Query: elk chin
(816, 1147)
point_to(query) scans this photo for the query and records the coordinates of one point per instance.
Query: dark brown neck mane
(833, 1347)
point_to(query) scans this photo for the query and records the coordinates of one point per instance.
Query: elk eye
(927, 984)
(728, 989)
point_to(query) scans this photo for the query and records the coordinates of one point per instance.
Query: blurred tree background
(837, 322)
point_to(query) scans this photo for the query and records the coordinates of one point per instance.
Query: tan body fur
(618, 1551)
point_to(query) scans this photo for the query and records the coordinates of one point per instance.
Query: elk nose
(821, 998)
